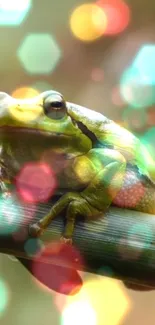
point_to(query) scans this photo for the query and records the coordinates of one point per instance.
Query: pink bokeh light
(36, 182)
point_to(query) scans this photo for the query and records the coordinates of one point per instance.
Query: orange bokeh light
(24, 92)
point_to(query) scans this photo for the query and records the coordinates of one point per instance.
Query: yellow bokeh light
(88, 22)
(104, 297)
(86, 316)
(25, 106)
(24, 92)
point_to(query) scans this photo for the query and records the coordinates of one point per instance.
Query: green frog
(103, 164)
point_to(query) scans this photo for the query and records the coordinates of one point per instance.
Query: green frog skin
(104, 164)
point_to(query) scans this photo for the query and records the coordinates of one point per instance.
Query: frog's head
(45, 112)
(43, 118)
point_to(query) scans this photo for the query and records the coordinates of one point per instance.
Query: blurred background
(100, 55)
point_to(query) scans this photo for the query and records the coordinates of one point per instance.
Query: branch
(120, 244)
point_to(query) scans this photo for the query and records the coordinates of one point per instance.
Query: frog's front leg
(94, 200)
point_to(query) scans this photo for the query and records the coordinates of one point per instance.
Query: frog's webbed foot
(70, 200)
(76, 205)
(35, 230)
(66, 240)
(6, 194)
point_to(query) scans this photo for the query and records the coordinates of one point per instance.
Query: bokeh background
(100, 55)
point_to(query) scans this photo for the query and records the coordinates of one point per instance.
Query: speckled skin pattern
(137, 193)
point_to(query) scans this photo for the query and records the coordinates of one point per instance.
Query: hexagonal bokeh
(39, 53)
(145, 63)
(13, 13)
(136, 86)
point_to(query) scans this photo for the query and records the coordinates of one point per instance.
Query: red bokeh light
(56, 268)
(36, 182)
(118, 15)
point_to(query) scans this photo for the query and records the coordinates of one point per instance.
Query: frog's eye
(54, 106)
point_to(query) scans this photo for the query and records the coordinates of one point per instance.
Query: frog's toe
(6, 195)
(35, 230)
(66, 240)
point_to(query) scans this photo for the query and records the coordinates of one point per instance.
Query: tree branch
(121, 244)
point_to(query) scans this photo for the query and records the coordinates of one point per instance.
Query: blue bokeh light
(136, 88)
(144, 62)
(13, 12)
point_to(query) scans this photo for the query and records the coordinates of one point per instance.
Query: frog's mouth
(21, 145)
(25, 139)
(13, 130)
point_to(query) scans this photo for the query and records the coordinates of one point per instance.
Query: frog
(104, 163)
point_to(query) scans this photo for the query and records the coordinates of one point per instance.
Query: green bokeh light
(4, 296)
(33, 246)
(135, 88)
(13, 12)
(10, 215)
(106, 271)
(39, 53)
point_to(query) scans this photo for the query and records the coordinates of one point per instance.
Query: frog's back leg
(137, 191)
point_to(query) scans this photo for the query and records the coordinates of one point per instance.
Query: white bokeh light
(14, 4)
(79, 312)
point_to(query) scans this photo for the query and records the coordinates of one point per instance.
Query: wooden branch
(121, 244)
